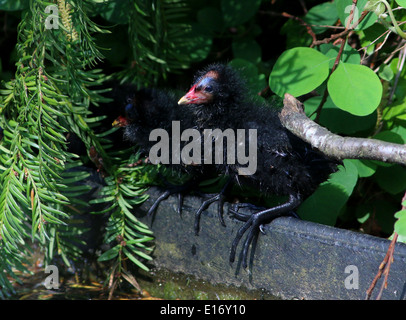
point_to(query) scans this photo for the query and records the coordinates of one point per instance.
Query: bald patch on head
(212, 74)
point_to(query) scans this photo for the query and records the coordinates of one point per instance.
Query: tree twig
(385, 264)
(383, 269)
(335, 146)
(302, 22)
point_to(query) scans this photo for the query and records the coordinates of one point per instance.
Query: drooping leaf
(298, 71)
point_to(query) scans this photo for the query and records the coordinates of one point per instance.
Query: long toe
(238, 237)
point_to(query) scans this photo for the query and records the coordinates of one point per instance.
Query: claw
(151, 212)
(234, 211)
(180, 203)
(180, 190)
(255, 224)
(218, 197)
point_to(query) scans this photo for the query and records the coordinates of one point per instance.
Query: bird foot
(206, 203)
(255, 222)
(234, 210)
(179, 190)
(220, 197)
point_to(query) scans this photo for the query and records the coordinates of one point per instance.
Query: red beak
(120, 122)
(189, 97)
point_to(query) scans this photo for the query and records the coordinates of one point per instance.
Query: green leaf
(365, 168)
(337, 120)
(296, 35)
(375, 6)
(324, 205)
(391, 179)
(349, 54)
(322, 14)
(389, 136)
(196, 45)
(385, 72)
(380, 211)
(110, 254)
(346, 177)
(255, 82)
(298, 71)
(139, 240)
(135, 260)
(355, 88)
(14, 5)
(400, 225)
(247, 49)
(396, 110)
(402, 3)
(236, 12)
(116, 12)
(344, 9)
(211, 19)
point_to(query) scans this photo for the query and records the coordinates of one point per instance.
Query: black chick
(149, 109)
(285, 165)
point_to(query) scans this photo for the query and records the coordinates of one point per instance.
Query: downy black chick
(285, 165)
(150, 109)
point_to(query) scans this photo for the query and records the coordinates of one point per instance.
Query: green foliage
(400, 226)
(50, 97)
(299, 71)
(344, 8)
(351, 81)
(236, 12)
(355, 89)
(161, 41)
(355, 99)
(325, 204)
(322, 14)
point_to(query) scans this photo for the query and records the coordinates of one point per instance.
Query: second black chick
(149, 109)
(285, 165)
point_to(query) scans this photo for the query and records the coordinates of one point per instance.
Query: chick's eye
(208, 89)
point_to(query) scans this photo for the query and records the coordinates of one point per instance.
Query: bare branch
(335, 146)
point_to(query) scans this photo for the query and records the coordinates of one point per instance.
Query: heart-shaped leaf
(355, 88)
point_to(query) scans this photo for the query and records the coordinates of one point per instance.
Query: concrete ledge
(295, 259)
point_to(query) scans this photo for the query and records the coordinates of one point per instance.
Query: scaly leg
(254, 222)
(220, 197)
(180, 190)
